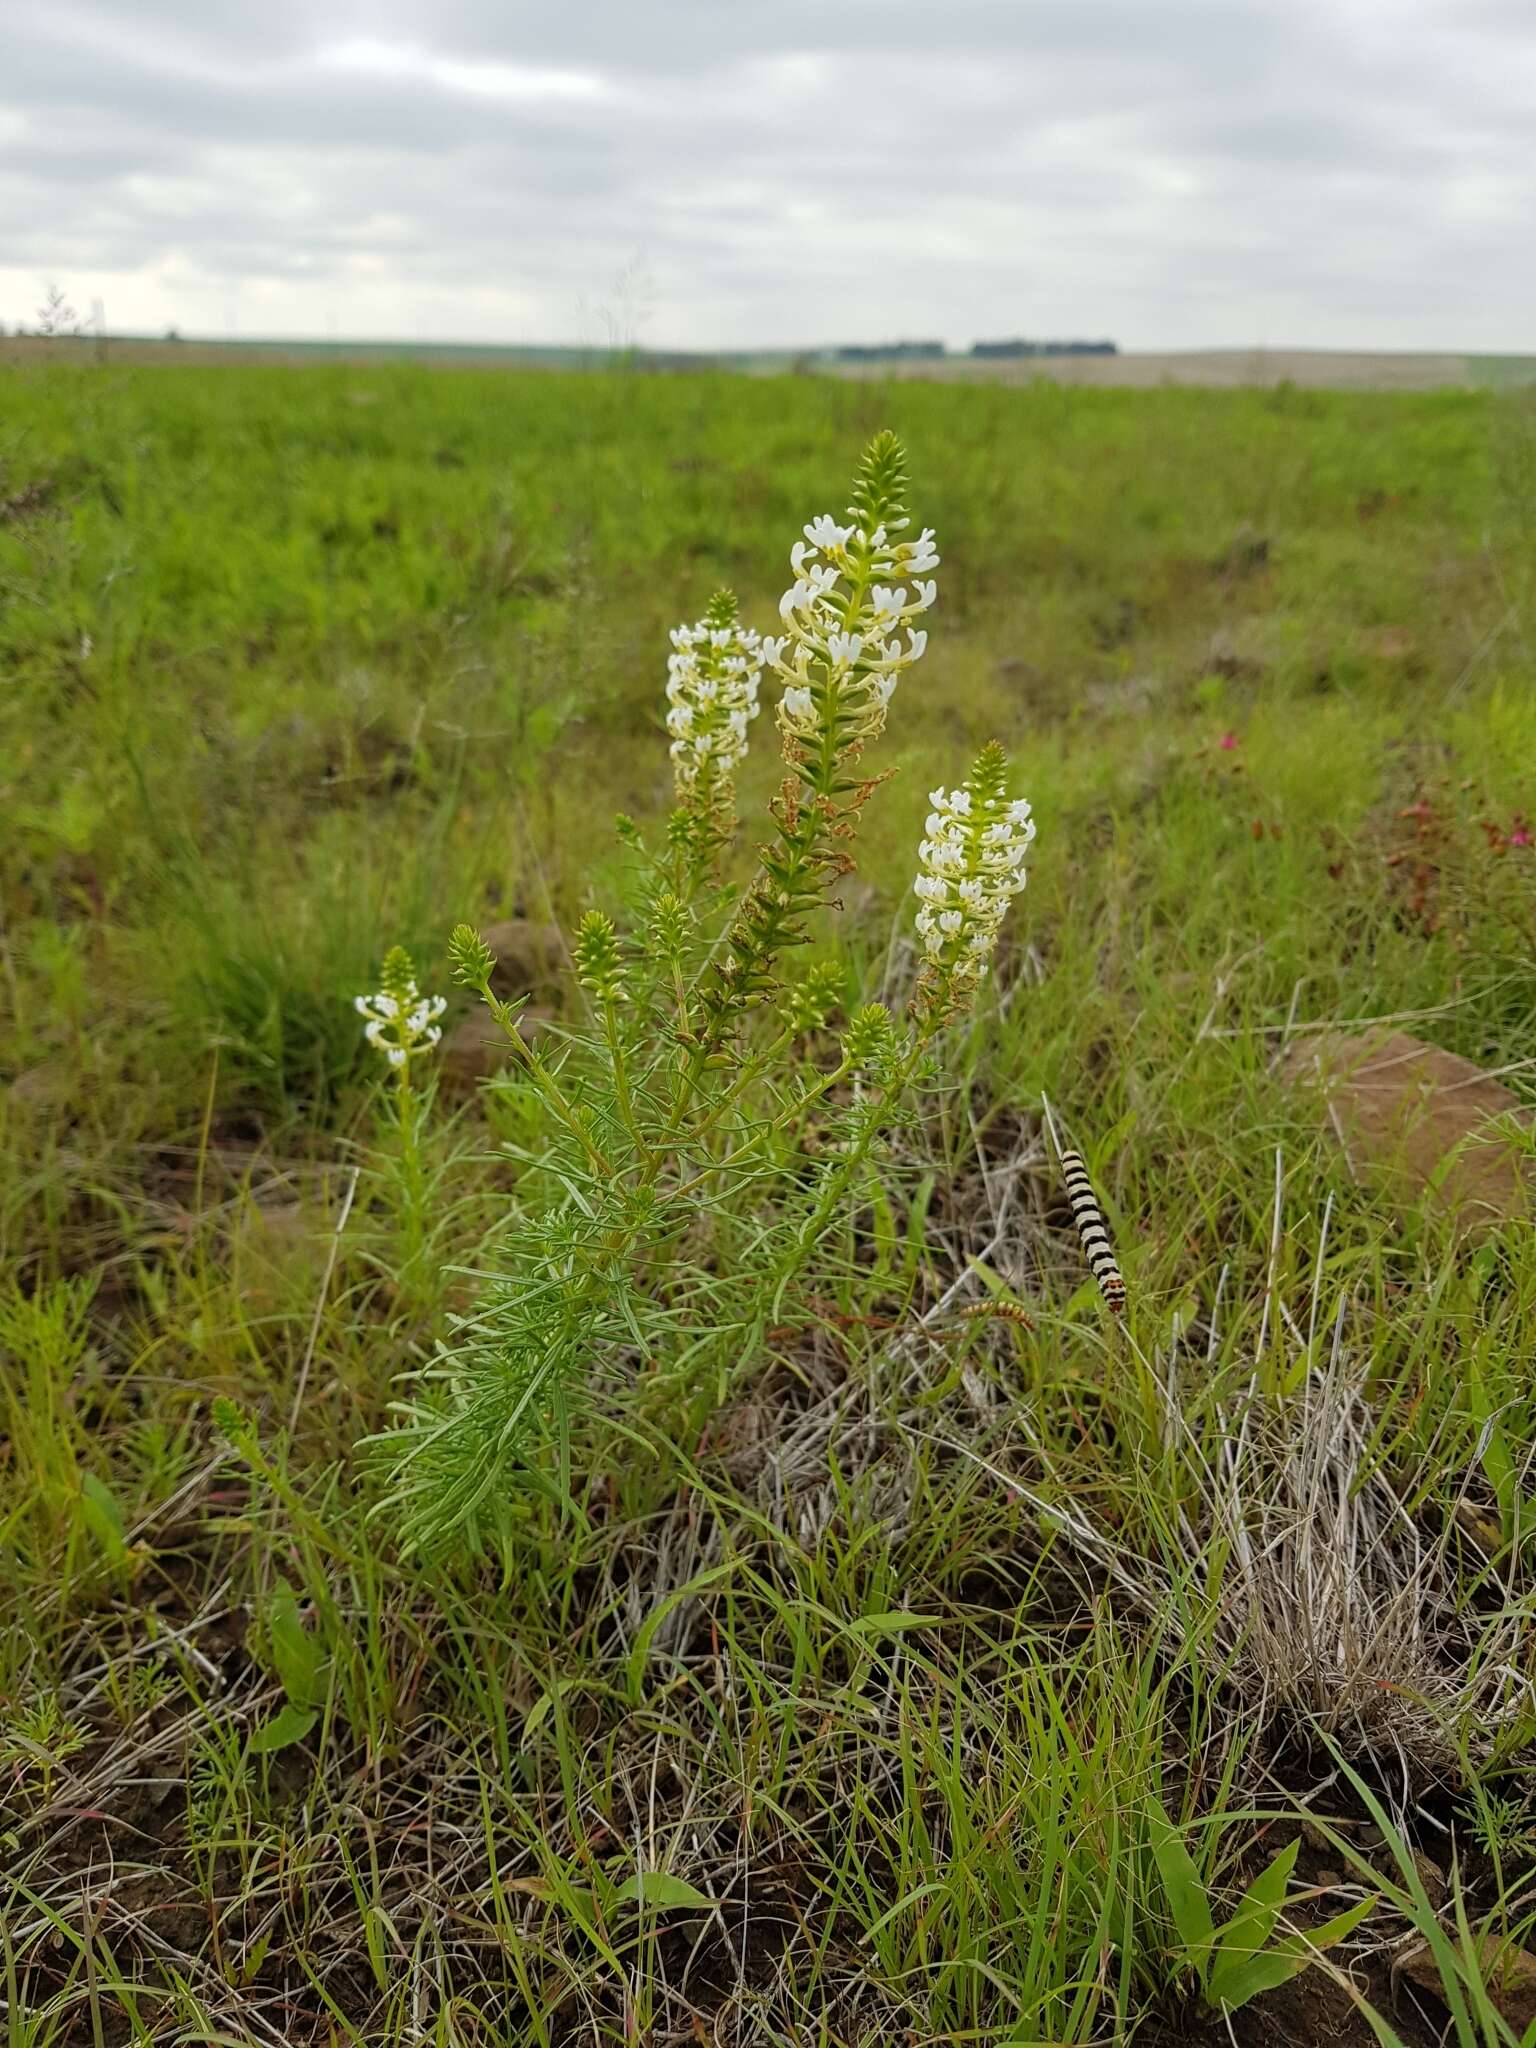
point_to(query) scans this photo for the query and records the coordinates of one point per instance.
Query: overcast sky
(730, 173)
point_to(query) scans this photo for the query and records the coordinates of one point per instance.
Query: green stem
(768, 1130)
(554, 1094)
(410, 1168)
(621, 1079)
(837, 1181)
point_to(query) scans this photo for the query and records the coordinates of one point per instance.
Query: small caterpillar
(988, 1311)
(1089, 1218)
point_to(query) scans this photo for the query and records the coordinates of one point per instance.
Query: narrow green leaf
(540, 1711)
(653, 1621)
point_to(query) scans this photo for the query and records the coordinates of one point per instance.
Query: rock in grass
(1419, 1121)
(477, 1047)
(530, 961)
(1509, 1972)
(530, 957)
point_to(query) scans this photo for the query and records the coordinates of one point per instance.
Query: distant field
(865, 1672)
(1213, 369)
(1221, 369)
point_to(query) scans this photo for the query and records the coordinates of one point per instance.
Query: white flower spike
(972, 865)
(401, 1021)
(857, 588)
(713, 674)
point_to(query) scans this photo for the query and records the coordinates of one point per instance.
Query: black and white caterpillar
(1089, 1218)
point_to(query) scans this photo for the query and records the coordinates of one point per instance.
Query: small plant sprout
(713, 674)
(971, 866)
(402, 1025)
(1254, 1950)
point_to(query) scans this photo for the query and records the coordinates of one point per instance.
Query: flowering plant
(701, 1135)
(402, 1022)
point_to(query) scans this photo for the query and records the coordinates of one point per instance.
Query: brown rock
(47, 1082)
(1417, 1120)
(530, 957)
(1391, 643)
(274, 1246)
(1509, 1972)
(477, 1046)
(1432, 1877)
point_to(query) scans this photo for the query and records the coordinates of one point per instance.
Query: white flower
(843, 614)
(824, 532)
(401, 1021)
(915, 556)
(798, 706)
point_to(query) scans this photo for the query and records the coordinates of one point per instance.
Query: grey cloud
(1190, 172)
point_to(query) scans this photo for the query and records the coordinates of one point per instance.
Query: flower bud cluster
(598, 959)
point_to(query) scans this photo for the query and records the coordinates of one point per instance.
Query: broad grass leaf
(1234, 1987)
(659, 1888)
(890, 1623)
(288, 1725)
(1247, 1933)
(103, 1518)
(295, 1651)
(1182, 1885)
(1288, 1958)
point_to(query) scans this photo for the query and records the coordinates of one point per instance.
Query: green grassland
(837, 1697)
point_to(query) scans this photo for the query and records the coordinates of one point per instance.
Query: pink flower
(1227, 742)
(1520, 836)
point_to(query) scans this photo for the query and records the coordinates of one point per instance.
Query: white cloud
(481, 79)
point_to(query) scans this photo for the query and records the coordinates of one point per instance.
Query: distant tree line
(1045, 348)
(888, 351)
(882, 352)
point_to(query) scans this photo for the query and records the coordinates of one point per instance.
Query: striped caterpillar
(1089, 1218)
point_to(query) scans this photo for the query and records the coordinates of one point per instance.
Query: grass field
(1221, 369)
(850, 1670)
